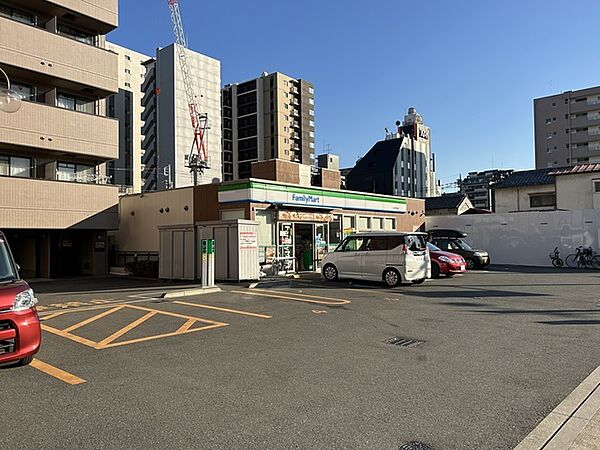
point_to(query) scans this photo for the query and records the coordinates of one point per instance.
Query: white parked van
(390, 257)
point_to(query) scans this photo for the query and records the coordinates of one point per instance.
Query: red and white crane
(198, 157)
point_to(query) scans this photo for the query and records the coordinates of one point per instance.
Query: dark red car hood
(9, 290)
(436, 255)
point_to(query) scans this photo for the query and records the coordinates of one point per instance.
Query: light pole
(10, 100)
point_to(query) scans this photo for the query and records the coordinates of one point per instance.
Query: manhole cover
(403, 342)
(415, 446)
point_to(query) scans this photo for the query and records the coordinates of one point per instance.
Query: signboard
(248, 240)
(306, 199)
(302, 216)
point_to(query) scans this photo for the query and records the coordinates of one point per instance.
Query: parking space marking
(108, 342)
(233, 311)
(297, 297)
(57, 373)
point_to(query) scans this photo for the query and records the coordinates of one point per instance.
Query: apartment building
(126, 106)
(401, 164)
(55, 200)
(167, 129)
(567, 128)
(269, 117)
(478, 186)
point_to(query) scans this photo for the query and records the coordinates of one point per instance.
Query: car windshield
(7, 268)
(463, 245)
(433, 248)
(415, 242)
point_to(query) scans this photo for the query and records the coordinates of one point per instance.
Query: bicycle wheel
(596, 262)
(557, 262)
(572, 261)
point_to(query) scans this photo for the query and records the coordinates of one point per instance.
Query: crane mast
(197, 158)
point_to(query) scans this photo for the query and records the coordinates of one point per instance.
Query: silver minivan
(391, 257)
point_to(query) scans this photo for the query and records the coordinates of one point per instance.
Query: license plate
(462, 267)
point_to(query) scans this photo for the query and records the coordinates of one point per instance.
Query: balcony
(37, 125)
(42, 204)
(98, 15)
(57, 57)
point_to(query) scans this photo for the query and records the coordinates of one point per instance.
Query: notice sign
(248, 240)
(301, 216)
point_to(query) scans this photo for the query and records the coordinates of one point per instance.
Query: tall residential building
(402, 164)
(479, 186)
(167, 130)
(567, 128)
(269, 117)
(55, 202)
(126, 106)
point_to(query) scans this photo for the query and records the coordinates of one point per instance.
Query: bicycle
(556, 259)
(583, 258)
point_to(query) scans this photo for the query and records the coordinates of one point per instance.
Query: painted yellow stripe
(92, 319)
(73, 337)
(52, 316)
(160, 336)
(128, 328)
(186, 326)
(296, 299)
(233, 311)
(297, 294)
(168, 313)
(57, 373)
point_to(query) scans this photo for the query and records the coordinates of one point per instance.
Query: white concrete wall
(526, 238)
(577, 191)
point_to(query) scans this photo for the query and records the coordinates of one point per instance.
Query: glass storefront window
(349, 225)
(364, 223)
(389, 224)
(377, 223)
(335, 232)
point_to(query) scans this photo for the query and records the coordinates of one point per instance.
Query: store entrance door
(321, 243)
(304, 247)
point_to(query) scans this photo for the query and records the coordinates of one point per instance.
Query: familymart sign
(282, 194)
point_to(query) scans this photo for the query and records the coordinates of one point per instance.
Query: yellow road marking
(73, 337)
(271, 294)
(57, 373)
(92, 319)
(186, 326)
(116, 335)
(160, 336)
(52, 316)
(233, 311)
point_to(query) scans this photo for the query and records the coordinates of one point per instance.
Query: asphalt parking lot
(303, 363)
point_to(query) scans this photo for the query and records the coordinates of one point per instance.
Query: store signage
(424, 134)
(301, 216)
(306, 199)
(248, 240)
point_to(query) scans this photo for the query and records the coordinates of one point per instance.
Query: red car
(445, 262)
(20, 334)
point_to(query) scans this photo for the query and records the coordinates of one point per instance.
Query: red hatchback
(20, 334)
(445, 262)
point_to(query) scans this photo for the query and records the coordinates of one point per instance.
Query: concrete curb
(191, 292)
(561, 427)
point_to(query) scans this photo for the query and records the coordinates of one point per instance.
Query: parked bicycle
(583, 258)
(556, 259)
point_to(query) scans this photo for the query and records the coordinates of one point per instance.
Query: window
(377, 223)
(285, 105)
(128, 58)
(17, 15)
(364, 223)
(377, 243)
(81, 104)
(542, 200)
(597, 186)
(80, 173)
(311, 101)
(354, 244)
(15, 166)
(311, 90)
(23, 90)
(127, 84)
(349, 224)
(78, 35)
(389, 224)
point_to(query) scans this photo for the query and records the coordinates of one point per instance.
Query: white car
(391, 257)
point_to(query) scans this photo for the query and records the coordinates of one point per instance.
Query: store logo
(306, 199)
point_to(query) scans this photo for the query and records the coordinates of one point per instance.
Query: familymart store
(298, 225)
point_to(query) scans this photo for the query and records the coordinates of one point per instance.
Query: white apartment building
(168, 133)
(126, 172)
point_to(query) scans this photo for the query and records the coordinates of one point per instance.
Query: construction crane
(197, 160)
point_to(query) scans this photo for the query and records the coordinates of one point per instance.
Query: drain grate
(415, 446)
(403, 342)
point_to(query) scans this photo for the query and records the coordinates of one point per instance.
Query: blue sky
(471, 68)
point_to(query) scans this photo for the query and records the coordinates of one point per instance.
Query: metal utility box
(236, 248)
(177, 253)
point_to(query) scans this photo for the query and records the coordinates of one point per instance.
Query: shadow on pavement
(103, 283)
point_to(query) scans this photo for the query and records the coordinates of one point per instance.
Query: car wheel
(471, 264)
(435, 271)
(25, 361)
(420, 281)
(330, 272)
(391, 278)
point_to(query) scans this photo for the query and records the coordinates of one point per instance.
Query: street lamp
(10, 100)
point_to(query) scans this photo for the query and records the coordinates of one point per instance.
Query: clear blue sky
(471, 68)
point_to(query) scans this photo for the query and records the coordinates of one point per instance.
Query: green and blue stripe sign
(281, 194)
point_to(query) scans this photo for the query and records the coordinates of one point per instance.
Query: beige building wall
(518, 199)
(575, 192)
(141, 215)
